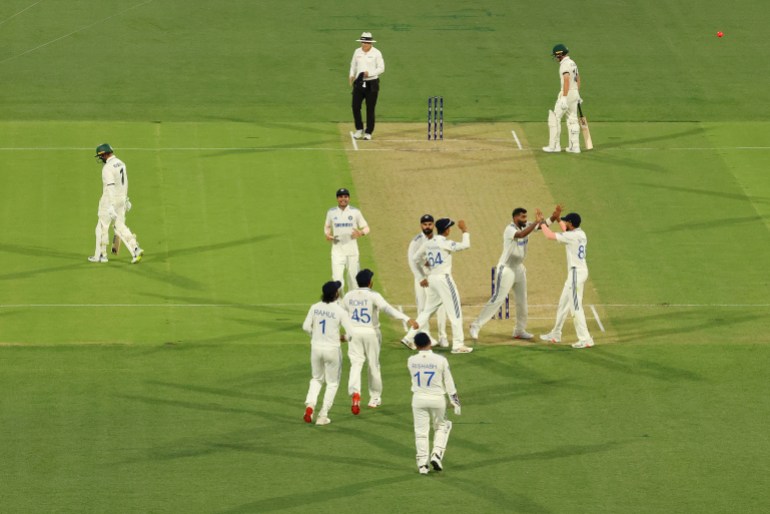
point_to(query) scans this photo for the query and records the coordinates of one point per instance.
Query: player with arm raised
(364, 306)
(418, 271)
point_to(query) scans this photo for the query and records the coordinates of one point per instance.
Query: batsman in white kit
(511, 274)
(566, 103)
(431, 380)
(436, 255)
(344, 225)
(364, 305)
(113, 206)
(571, 302)
(418, 270)
(323, 323)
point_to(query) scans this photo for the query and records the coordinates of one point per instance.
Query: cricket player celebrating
(431, 380)
(511, 274)
(363, 305)
(566, 103)
(571, 301)
(323, 322)
(421, 293)
(436, 254)
(113, 206)
(344, 225)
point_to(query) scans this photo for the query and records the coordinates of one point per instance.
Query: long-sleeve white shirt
(114, 182)
(364, 305)
(575, 242)
(567, 65)
(340, 224)
(323, 322)
(418, 270)
(430, 374)
(370, 62)
(437, 253)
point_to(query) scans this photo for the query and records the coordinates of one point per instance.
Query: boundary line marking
(518, 143)
(596, 315)
(18, 13)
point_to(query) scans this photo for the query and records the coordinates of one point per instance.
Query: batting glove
(128, 205)
(455, 401)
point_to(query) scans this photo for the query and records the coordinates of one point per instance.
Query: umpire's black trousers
(368, 91)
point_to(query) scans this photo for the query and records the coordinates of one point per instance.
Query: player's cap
(421, 340)
(103, 149)
(343, 192)
(364, 277)
(560, 50)
(443, 224)
(573, 218)
(330, 288)
(426, 218)
(366, 37)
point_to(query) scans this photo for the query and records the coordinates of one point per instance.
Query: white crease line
(353, 139)
(18, 13)
(596, 315)
(518, 143)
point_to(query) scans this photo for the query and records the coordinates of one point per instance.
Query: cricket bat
(115, 244)
(584, 129)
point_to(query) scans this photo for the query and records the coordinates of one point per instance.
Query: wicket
(436, 117)
(507, 300)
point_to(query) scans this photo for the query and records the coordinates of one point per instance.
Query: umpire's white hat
(366, 37)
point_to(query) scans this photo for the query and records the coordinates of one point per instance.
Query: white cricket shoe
(523, 334)
(424, 470)
(551, 149)
(408, 344)
(374, 403)
(474, 331)
(443, 342)
(368, 137)
(358, 134)
(100, 258)
(462, 349)
(138, 253)
(550, 338)
(573, 150)
(435, 461)
(322, 420)
(583, 344)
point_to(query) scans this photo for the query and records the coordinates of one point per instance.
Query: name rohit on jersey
(358, 303)
(325, 313)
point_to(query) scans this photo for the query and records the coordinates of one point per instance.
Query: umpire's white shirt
(370, 62)
(363, 305)
(430, 374)
(323, 322)
(340, 224)
(575, 242)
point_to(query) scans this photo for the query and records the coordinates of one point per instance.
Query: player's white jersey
(364, 306)
(430, 374)
(115, 175)
(514, 249)
(340, 224)
(323, 322)
(437, 253)
(567, 65)
(575, 242)
(418, 270)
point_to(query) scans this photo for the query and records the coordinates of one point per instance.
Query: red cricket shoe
(356, 407)
(308, 414)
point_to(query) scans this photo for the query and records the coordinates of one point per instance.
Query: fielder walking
(364, 305)
(344, 225)
(571, 302)
(418, 270)
(511, 274)
(113, 206)
(436, 255)
(323, 323)
(365, 69)
(431, 380)
(566, 103)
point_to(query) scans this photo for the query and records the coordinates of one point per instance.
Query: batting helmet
(103, 149)
(560, 50)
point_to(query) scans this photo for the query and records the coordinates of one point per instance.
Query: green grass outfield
(177, 385)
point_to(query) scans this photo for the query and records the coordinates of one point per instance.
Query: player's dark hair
(329, 298)
(518, 210)
(421, 340)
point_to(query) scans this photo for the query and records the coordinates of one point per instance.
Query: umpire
(365, 69)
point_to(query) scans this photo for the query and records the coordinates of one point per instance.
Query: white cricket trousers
(326, 366)
(339, 263)
(442, 291)
(507, 279)
(364, 347)
(103, 229)
(571, 302)
(421, 297)
(430, 409)
(573, 125)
